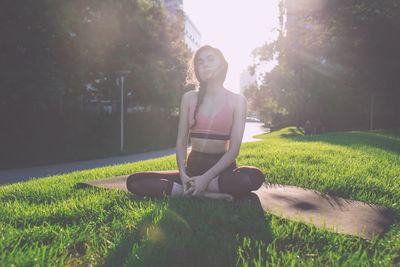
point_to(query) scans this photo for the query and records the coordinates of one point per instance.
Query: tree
(53, 49)
(332, 57)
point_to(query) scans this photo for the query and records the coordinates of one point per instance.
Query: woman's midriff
(199, 162)
(209, 145)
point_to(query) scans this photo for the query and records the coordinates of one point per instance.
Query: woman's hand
(199, 185)
(187, 183)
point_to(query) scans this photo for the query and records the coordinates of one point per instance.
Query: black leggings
(233, 180)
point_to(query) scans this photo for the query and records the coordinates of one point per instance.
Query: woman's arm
(239, 121)
(182, 139)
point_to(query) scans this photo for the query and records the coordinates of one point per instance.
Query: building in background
(297, 15)
(192, 36)
(246, 79)
(173, 6)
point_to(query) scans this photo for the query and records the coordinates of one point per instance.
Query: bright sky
(236, 27)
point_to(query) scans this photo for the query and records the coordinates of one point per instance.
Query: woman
(215, 119)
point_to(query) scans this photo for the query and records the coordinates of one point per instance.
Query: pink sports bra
(218, 127)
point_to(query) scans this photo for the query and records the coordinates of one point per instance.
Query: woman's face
(209, 65)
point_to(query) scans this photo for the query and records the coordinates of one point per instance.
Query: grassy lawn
(48, 222)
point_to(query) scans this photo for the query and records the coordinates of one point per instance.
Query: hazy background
(236, 28)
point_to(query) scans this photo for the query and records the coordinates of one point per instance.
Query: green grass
(48, 222)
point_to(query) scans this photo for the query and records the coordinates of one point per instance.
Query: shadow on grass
(187, 231)
(292, 133)
(192, 232)
(383, 139)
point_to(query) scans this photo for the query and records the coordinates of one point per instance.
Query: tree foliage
(333, 56)
(58, 55)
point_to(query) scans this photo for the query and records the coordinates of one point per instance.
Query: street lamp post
(371, 115)
(122, 73)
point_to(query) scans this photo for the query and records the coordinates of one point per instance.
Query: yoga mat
(295, 203)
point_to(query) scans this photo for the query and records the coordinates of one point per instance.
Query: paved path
(24, 174)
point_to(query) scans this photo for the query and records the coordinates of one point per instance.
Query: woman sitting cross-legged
(215, 119)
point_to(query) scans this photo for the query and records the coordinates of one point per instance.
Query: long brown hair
(194, 77)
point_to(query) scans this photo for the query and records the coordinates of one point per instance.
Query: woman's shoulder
(190, 97)
(190, 94)
(237, 100)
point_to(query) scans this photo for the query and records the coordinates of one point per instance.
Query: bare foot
(221, 196)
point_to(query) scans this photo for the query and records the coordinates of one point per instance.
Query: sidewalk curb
(24, 174)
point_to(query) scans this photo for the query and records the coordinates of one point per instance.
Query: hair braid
(202, 92)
